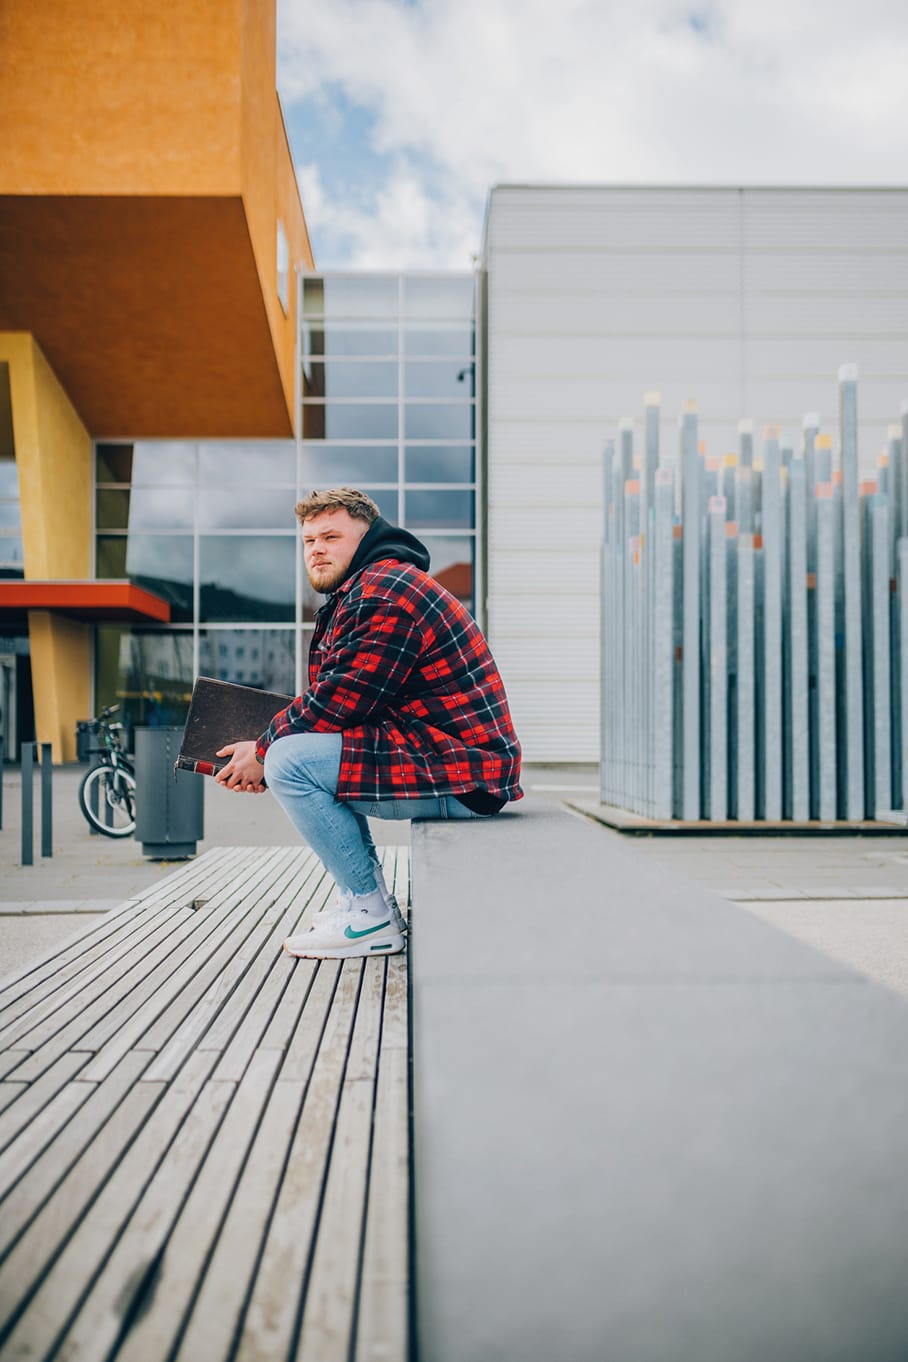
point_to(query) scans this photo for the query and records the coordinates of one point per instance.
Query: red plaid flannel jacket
(399, 667)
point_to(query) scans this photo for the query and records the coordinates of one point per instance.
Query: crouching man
(405, 717)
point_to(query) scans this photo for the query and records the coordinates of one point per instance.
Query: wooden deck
(204, 1145)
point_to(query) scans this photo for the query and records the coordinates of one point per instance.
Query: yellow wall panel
(61, 674)
(53, 457)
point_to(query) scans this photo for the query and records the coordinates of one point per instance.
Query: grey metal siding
(746, 299)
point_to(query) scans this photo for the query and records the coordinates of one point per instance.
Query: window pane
(436, 340)
(9, 478)
(325, 465)
(114, 463)
(11, 555)
(163, 564)
(439, 510)
(333, 421)
(247, 465)
(439, 463)
(247, 509)
(247, 577)
(348, 338)
(144, 509)
(112, 510)
(447, 379)
(111, 558)
(349, 379)
(452, 564)
(147, 673)
(250, 657)
(438, 297)
(438, 421)
(362, 296)
(158, 465)
(10, 516)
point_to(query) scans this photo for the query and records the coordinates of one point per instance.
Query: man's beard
(327, 582)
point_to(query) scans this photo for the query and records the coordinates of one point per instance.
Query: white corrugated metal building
(746, 299)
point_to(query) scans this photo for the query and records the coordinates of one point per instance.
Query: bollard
(47, 812)
(28, 775)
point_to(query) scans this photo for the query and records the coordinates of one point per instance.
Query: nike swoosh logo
(368, 931)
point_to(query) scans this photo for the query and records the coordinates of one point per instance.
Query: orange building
(151, 232)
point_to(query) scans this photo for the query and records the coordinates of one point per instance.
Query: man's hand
(244, 772)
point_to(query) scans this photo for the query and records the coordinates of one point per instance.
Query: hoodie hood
(384, 540)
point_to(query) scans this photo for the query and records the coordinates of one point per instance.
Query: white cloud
(784, 91)
(403, 227)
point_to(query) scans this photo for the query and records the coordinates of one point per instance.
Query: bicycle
(107, 795)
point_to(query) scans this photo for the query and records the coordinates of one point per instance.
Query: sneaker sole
(392, 945)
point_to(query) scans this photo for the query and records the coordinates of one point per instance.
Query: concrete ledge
(639, 825)
(647, 1125)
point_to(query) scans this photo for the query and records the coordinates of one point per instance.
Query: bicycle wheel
(107, 798)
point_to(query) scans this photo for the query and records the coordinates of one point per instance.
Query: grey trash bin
(170, 810)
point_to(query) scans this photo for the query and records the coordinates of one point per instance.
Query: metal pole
(47, 814)
(745, 739)
(902, 698)
(690, 519)
(853, 696)
(1, 783)
(878, 733)
(772, 626)
(718, 673)
(826, 799)
(663, 590)
(797, 648)
(28, 777)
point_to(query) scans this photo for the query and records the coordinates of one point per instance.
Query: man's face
(329, 542)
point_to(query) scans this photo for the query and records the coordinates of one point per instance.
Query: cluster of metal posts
(755, 625)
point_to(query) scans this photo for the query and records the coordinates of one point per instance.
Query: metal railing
(755, 625)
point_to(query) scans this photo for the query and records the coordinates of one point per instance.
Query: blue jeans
(302, 771)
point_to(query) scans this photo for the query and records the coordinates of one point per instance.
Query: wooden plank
(31, 1142)
(382, 1318)
(47, 1234)
(77, 982)
(267, 880)
(48, 1171)
(304, 1046)
(158, 1325)
(87, 1249)
(9, 1059)
(270, 1322)
(157, 974)
(221, 1008)
(150, 921)
(331, 1294)
(131, 1275)
(122, 927)
(66, 965)
(9, 1090)
(219, 1307)
(170, 893)
(268, 994)
(32, 1099)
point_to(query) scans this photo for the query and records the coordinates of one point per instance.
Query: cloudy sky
(402, 113)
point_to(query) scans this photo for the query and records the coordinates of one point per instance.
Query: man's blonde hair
(348, 499)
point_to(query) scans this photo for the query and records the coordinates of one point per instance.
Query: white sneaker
(344, 931)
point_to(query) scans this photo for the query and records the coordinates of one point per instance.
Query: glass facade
(11, 562)
(388, 404)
